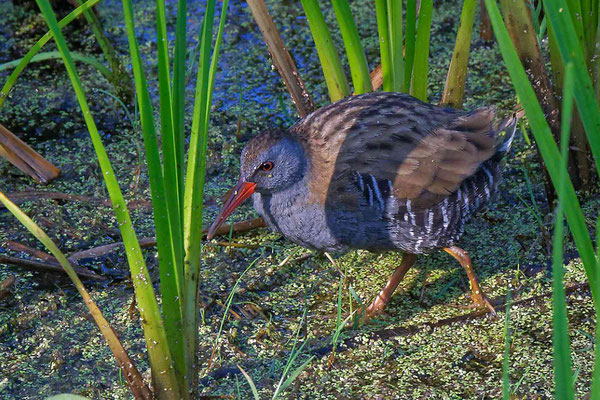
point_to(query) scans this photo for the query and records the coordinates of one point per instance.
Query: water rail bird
(379, 171)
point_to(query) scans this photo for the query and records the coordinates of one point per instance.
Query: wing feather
(424, 150)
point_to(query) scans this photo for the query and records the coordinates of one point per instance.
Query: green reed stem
(421, 63)
(337, 84)
(457, 73)
(156, 341)
(357, 60)
(562, 349)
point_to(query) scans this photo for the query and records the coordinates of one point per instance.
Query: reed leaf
(196, 170)
(409, 41)
(163, 374)
(421, 63)
(337, 84)
(359, 68)
(384, 48)
(506, 357)
(178, 100)
(394, 14)
(55, 55)
(170, 224)
(172, 227)
(571, 51)
(457, 73)
(562, 348)
(547, 147)
(171, 273)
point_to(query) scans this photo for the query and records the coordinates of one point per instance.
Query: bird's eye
(266, 166)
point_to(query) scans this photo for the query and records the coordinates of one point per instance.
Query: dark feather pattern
(385, 171)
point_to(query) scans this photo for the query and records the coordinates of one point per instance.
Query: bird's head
(271, 162)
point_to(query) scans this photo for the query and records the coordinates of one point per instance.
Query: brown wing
(425, 151)
(442, 160)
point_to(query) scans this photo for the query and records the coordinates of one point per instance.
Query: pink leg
(462, 256)
(386, 293)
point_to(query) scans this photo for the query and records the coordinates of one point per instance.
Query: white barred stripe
(377, 192)
(418, 244)
(360, 181)
(476, 195)
(489, 175)
(410, 213)
(429, 221)
(444, 208)
(466, 200)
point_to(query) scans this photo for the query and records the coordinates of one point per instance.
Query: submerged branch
(51, 267)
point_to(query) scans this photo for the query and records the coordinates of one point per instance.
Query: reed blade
(409, 42)
(359, 68)
(421, 63)
(337, 84)
(562, 348)
(156, 341)
(196, 170)
(454, 89)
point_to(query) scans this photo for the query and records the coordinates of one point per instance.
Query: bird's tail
(509, 127)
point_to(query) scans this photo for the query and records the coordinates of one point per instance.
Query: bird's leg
(386, 293)
(477, 295)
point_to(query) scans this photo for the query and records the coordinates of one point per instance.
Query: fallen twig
(20, 197)
(23, 248)
(51, 267)
(106, 249)
(238, 227)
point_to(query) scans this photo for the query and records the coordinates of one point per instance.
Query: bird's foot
(478, 302)
(481, 301)
(363, 315)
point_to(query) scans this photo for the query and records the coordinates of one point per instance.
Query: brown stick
(39, 266)
(19, 154)
(238, 227)
(31, 195)
(5, 286)
(233, 244)
(106, 249)
(281, 58)
(23, 248)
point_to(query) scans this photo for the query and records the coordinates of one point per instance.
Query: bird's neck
(278, 202)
